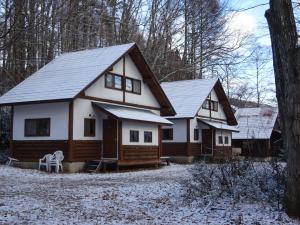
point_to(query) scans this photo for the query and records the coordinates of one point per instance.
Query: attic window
(133, 85)
(214, 106)
(206, 104)
(113, 81)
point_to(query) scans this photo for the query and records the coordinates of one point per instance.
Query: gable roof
(187, 97)
(255, 123)
(65, 77)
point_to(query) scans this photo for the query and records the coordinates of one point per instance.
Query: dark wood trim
(124, 79)
(120, 140)
(188, 137)
(70, 130)
(118, 102)
(160, 140)
(213, 118)
(11, 143)
(37, 102)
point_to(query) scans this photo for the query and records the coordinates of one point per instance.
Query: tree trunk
(286, 62)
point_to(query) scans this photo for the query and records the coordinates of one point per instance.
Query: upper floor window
(37, 127)
(113, 81)
(133, 85)
(214, 106)
(168, 134)
(206, 104)
(89, 127)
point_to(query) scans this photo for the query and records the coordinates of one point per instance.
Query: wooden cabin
(91, 104)
(259, 134)
(204, 121)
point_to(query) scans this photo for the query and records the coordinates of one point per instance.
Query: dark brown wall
(195, 149)
(86, 150)
(31, 151)
(139, 155)
(222, 152)
(174, 149)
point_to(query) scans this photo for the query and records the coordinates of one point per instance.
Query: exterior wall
(194, 125)
(57, 112)
(179, 131)
(83, 109)
(145, 98)
(216, 115)
(223, 133)
(141, 127)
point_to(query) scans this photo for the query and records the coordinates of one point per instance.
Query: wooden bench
(165, 159)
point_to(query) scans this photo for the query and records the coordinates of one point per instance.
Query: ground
(155, 196)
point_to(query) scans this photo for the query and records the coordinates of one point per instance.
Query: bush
(239, 180)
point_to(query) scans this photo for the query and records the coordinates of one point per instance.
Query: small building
(259, 134)
(204, 121)
(91, 104)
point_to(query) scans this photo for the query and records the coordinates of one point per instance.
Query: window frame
(196, 134)
(206, 104)
(48, 132)
(132, 85)
(226, 138)
(171, 138)
(214, 105)
(114, 81)
(130, 136)
(151, 137)
(91, 134)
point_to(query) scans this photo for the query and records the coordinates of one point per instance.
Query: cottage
(259, 134)
(204, 121)
(91, 104)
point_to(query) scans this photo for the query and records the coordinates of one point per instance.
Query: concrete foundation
(182, 159)
(69, 167)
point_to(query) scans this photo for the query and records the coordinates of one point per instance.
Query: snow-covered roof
(255, 123)
(66, 75)
(219, 125)
(130, 113)
(187, 96)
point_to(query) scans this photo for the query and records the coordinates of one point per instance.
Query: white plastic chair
(56, 161)
(45, 161)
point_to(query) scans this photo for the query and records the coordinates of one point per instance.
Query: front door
(207, 141)
(110, 138)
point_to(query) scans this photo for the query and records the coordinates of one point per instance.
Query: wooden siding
(195, 149)
(32, 151)
(139, 154)
(174, 149)
(85, 150)
(222, 152)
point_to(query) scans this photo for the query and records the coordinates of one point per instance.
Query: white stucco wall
(145, 98)
(223, 133)
(179, 130)
(84, 109)
(141, 127)
(57, 112)
(217, 115)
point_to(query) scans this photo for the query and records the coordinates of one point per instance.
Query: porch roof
(219, 125)
(128, 113)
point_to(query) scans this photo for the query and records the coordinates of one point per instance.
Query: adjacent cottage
(204, 121)
(91, 104)
(259, 134)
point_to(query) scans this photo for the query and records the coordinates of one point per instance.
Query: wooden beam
(70, 131)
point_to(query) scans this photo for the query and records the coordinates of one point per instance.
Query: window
(113, 81)
(196, 134)
(214, 106)
(134, 136)
(226, 140)
(129, 85)
(168, 134)
(148, 137)
(89, 127)
(37, 127)
(109, 80)
(206, 104)
(136, 87)
(220, 139)
(118, 82)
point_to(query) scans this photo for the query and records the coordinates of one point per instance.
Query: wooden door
(110, 140)
(207, 142)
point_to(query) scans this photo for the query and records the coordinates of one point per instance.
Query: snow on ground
(142, 197)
